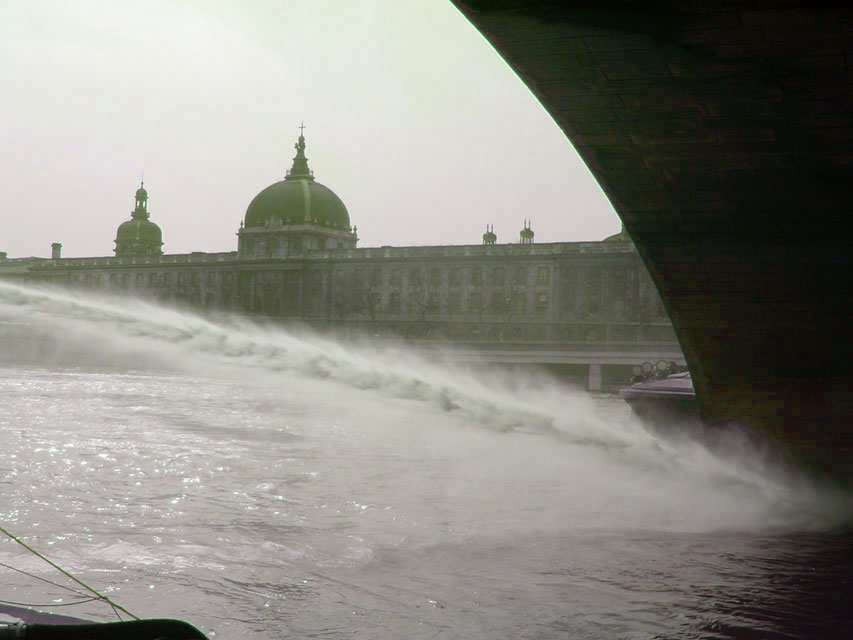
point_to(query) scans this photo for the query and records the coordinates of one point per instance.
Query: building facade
(590, 304)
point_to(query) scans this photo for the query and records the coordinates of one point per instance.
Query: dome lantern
(141, 200)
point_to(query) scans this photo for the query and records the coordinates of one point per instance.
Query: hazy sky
(411, 118)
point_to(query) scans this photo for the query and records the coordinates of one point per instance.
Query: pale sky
(411, 118)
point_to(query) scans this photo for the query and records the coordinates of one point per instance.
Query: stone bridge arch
(721, 132)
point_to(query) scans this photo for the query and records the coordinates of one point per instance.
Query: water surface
(263, 485)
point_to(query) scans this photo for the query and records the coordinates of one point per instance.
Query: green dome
(139, 231)
(298, 201)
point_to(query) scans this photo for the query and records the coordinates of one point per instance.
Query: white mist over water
(555, 455)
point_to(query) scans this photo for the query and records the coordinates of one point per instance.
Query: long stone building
(588, 307)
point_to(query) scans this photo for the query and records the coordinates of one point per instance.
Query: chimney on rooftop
(55, 251)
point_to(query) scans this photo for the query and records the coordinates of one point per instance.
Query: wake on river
(261, 483)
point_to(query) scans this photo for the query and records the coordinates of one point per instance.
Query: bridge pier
(594, 381)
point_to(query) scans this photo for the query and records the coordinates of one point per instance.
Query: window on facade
(475, 301)
(592, 305)
(455, 302)
(496, 302)
(538, 333)
(542, 275)
(140, 279)
(619, 292)
(498, 276)
(520, 275)
(431, 333)
(362, 277)
(520, 304)
(375, 276)
(395, 277)
(456, 276)
(474, 333)
(415, 276)
(516, 333)
(477, 275)
(394, 302)
(433, 303)
(542, 304)
(592, 291)
(182, 278)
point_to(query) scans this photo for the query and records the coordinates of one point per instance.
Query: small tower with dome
(139, 236)
(526, 234)
(489, 237)
(295, 215)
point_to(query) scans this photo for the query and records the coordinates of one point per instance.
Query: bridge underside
(722, 136)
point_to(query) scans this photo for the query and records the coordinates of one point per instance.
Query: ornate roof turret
(139, 236)
(526, 234)
(489, 237)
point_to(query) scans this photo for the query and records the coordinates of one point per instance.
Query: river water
(263, 484)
